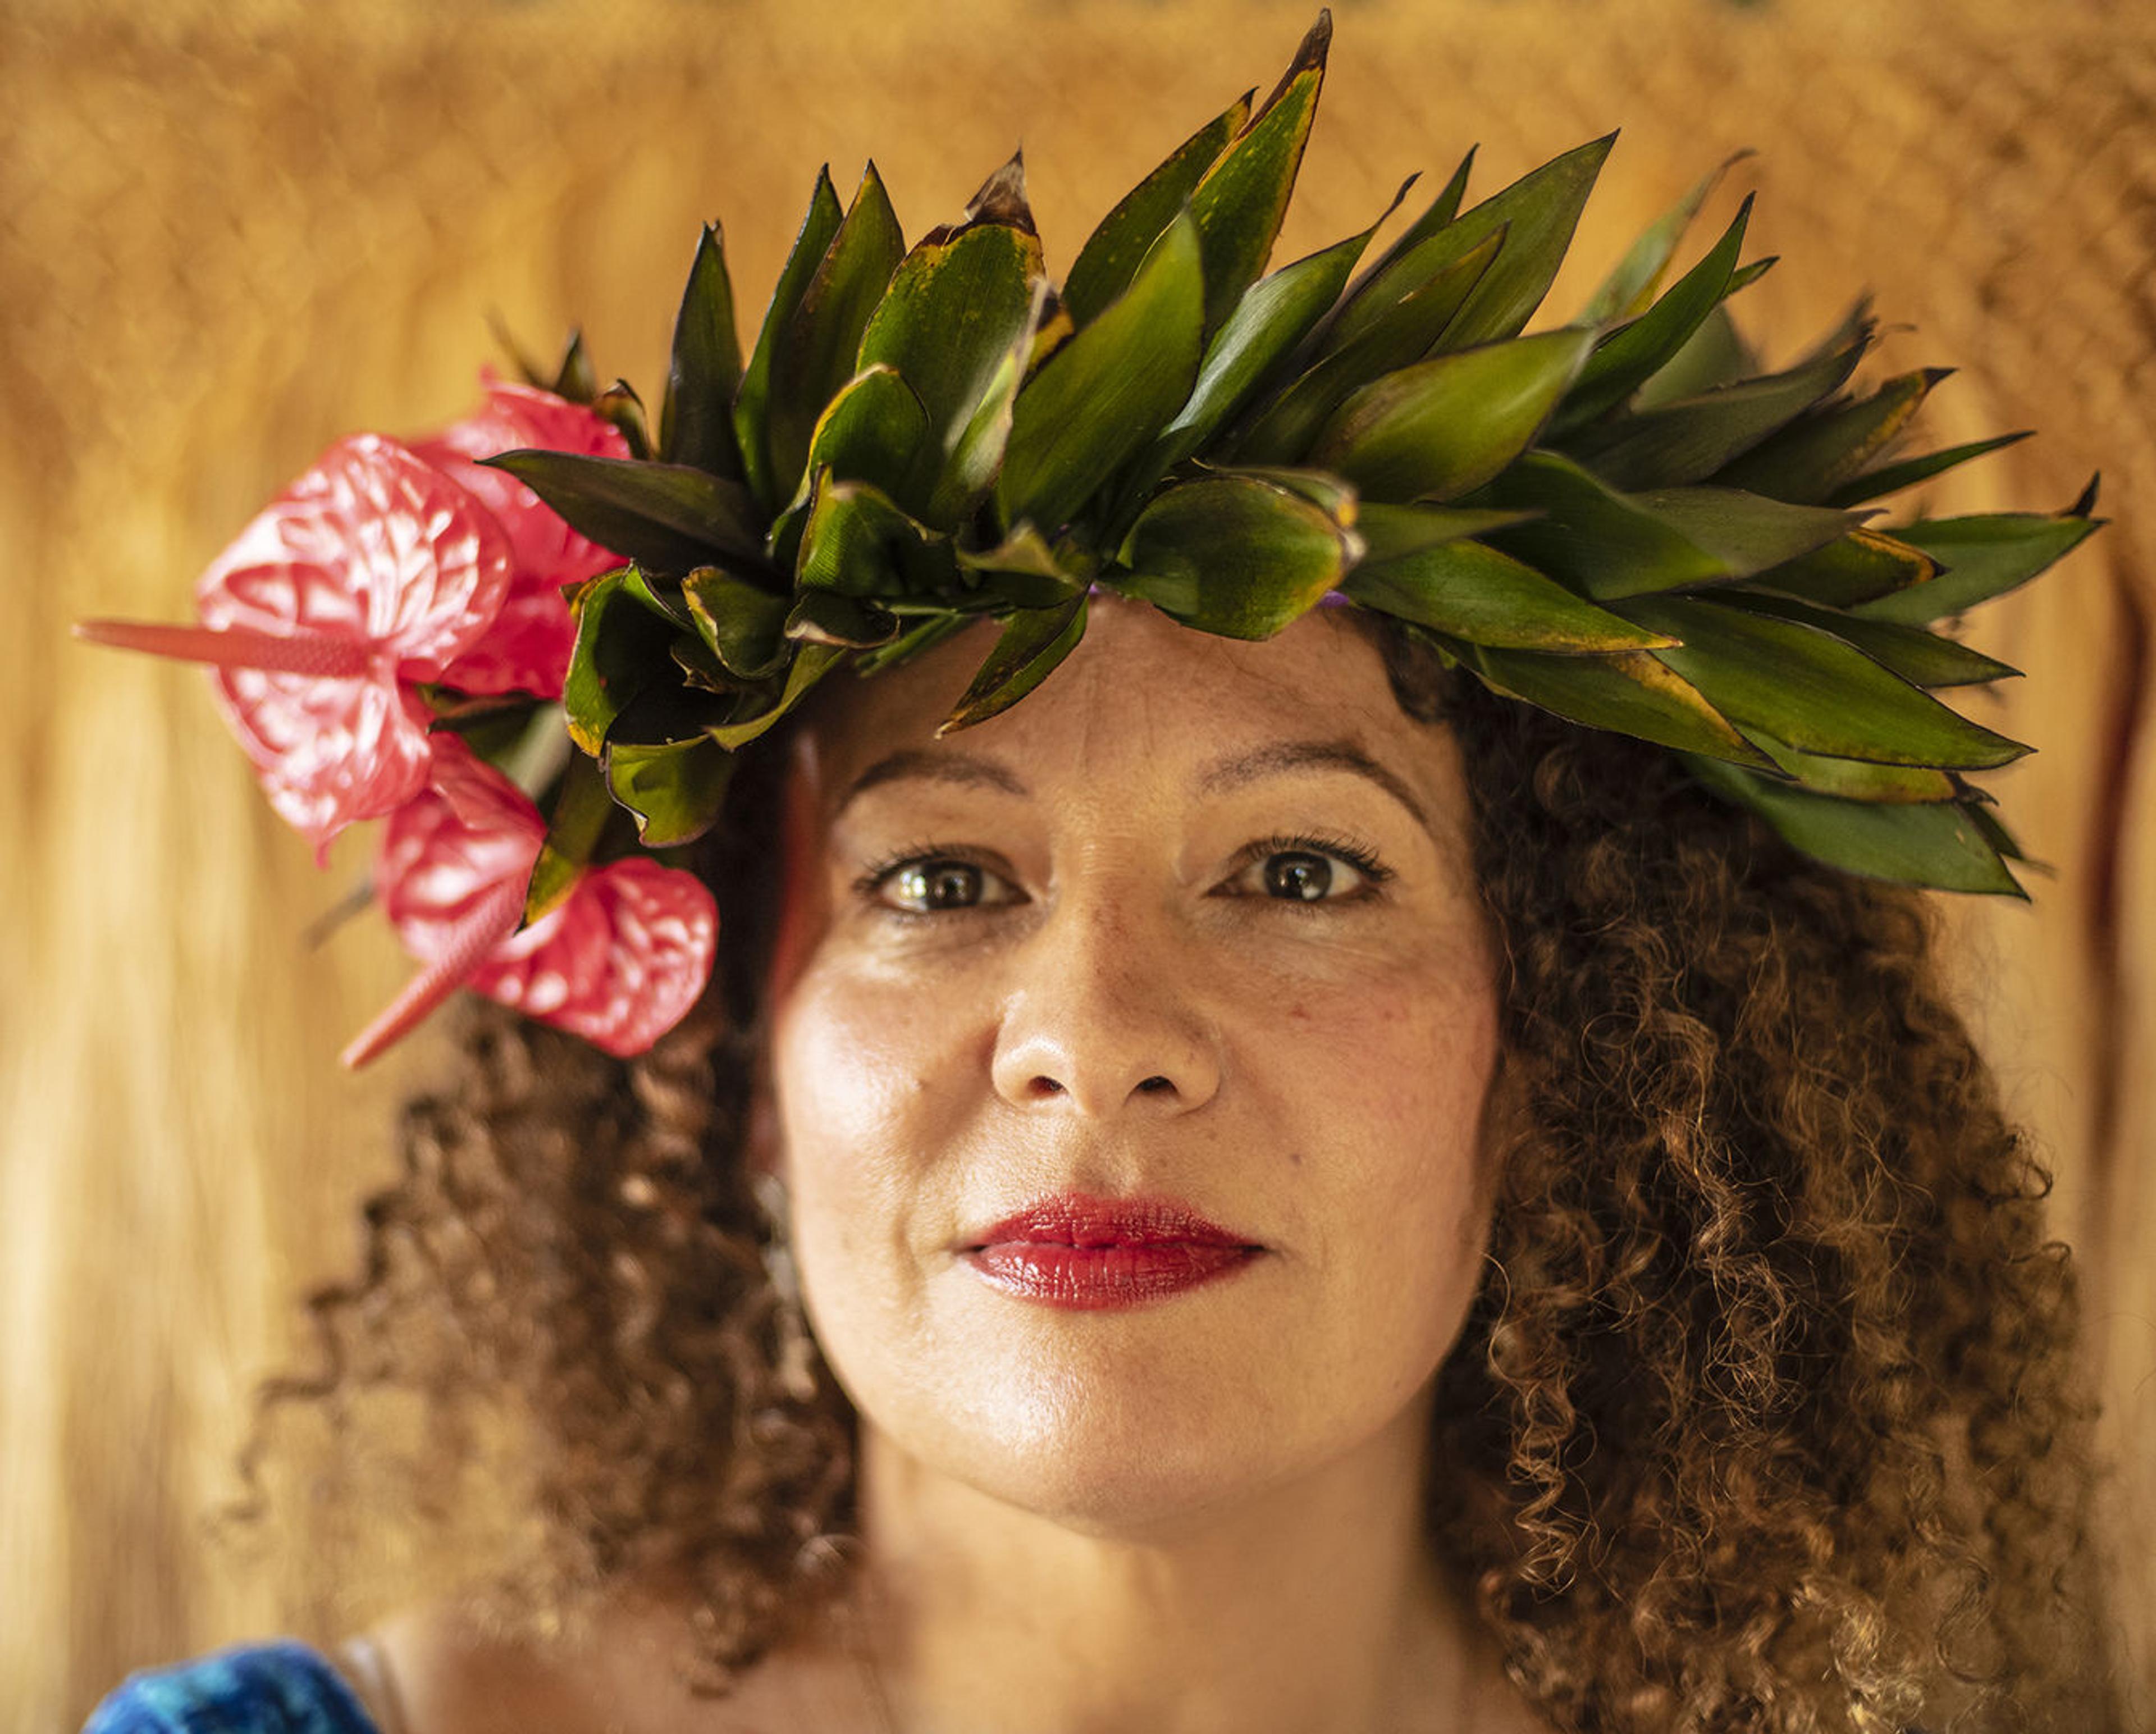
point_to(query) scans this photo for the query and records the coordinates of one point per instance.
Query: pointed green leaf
(621, 648)
(1471, 592)
(817, 350)
(581, 808)
(953, 311)
(1994, 832)
(1607, 544)
(660, 598)
(1022, 570)
(576, 379)
(1942, 845)
(811, 662)
(1922, 658)
(619, 404)
(1438, 429)
(1233, 556)
(1627, 292)
(1001, 591)
(751, 401)
(702, 669)
(1825, 447)
(1982, 557)
(1539, 212)
(1278, 313)
(1034, 641)
(1399, 334)
(1110, 258)
(1406, 265)
(1745, 276)
(1743, 533)
(825, 617)
(1688, 440)
(1861, 566)
(1629, 357)
(1891, 478)
(1389, 531)
(1816, 692)
(1239, 205)
(858, 543)
(1322, 489)
(1858, 779)
(1108, 391)
(1627, 693)
(695, 417)
(977, 455)
(740, 622)
(665, 516)
(1025, 550)
(1713, 357)
(677, 790)
(876, 431)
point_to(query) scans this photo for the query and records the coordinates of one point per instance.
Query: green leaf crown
(1620, 520)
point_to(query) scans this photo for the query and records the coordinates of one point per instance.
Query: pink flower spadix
(527, 649)
(620, 962)
(372, 571)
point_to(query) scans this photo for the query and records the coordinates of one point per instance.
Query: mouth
(1079, 1252)
(1088, 1223)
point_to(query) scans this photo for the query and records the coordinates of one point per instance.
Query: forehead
(1138, 687)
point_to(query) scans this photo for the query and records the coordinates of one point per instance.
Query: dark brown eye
(934, 884)
(1315, 873)
(1304, 877)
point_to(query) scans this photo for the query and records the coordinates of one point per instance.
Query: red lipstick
(1085, 1253)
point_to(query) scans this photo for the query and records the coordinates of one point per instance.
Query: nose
(1106, 1013)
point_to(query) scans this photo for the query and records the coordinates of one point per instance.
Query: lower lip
(1092, 1279)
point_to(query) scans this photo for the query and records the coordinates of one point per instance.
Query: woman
(1268, 1185)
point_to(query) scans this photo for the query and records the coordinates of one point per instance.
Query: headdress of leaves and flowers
(1620, 520)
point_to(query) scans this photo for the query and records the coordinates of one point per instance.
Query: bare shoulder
(442, 1674)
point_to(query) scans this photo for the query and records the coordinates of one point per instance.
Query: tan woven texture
(230, 233)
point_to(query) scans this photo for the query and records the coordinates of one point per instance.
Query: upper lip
(1085, 1220)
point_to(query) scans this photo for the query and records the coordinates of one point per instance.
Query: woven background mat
(230, 234)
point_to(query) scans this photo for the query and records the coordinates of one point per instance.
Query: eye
(1301, 876)
(1305, 869)
(925, 881)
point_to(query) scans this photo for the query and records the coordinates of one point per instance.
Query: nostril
(1156, 1083)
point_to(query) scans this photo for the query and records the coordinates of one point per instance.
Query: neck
(1312, 1605)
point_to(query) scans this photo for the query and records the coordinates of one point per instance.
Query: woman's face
(1116, 941)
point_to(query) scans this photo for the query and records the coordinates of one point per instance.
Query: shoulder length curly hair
(1766, 1416)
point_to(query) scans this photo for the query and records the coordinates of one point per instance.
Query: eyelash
(1364, 861)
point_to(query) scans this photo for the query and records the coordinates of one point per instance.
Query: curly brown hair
(1767, 1415)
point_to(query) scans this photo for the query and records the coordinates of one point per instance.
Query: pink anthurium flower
(620, 962)
(528, 649)
(371, 571)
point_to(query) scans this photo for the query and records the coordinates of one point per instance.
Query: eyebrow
(1233, 772)
(913, 764)
(1223, 776)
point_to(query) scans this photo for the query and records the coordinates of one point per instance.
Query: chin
(1104, 1461)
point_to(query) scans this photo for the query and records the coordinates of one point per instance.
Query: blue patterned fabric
(281, 1687)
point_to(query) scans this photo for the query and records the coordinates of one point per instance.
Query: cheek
(862, 1108)
(1399, 1101)
(846, 1062)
